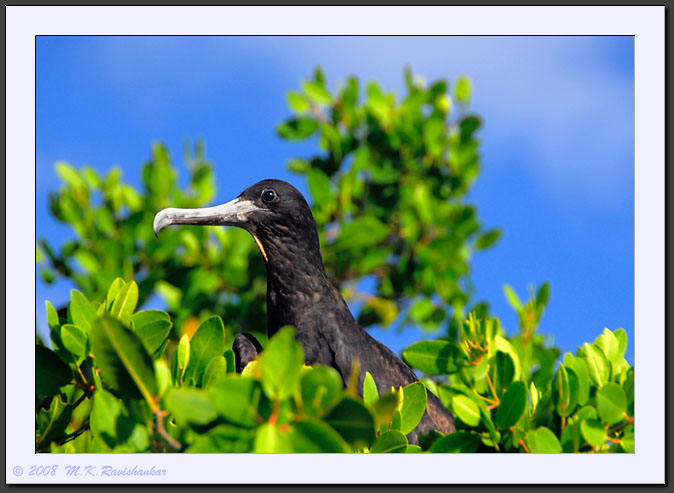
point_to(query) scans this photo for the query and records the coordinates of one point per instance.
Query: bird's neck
(296, 277)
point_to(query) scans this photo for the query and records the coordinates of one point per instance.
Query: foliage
(113, 383)
(511, 394)
(198, 272)
(387, 191)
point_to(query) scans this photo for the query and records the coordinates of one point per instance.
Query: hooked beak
(232, 213)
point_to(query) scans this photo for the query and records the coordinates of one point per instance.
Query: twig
(619, 427)
(485, 398)
(173, 443)
(79, 401)
(491, 387)
(75, 434)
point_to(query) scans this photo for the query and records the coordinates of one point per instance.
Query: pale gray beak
(232, 213)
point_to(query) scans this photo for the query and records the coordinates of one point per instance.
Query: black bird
(299, 293)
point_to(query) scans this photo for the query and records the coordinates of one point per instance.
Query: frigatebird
(299, 293)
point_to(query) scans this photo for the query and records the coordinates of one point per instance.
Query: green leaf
(216, 368)
(421, 310)
(315, 437)
(387, 408)
(74, 340)
(512, 406)
(99, 307)
(579, 366)
(414, 405)
(69, 174)
(572, 436)
(565, 390)
(459, 441)
(377, 102)
(370, 392)
(543, 295)
(81, 310)
(163, 373)
(512, 298)
(171, 294)
(207, 343)
(297, 165)
(485, 414)
(123, 360)
(297, 102)
(270, 440)
(426, 440)
(385, 310)
(433, 134)
(587, 412)
(319, 187)
(396, 421)
(597, 364)
(503, 369)
(53, 422)
(352, 420)
(463, 90)
(182, 357)
(466, 410)
(627, 443)
(106, 420)
(350, 95)
(88, 261)
(231, 364)
(236, 399)
(125, 302)
(320, 387)
(91, 177)
(423, 202)
(281, 365)
(153, 327)
(487, 239)
(609, 344)
(52, 316)
(316, 92)
(611, 403)
(223, 438)
(435, 357)
(628, 387)
(533, 392)
(389, 442)
(544, 442)
(364, 231)
(50, 372)
(190, 405)
(299, 128)
(593, 431)
(621, 335)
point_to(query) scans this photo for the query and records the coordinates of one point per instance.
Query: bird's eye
(269, 196)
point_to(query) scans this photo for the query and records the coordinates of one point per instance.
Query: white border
(646, 23)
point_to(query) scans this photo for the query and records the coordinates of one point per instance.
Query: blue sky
(558, 146)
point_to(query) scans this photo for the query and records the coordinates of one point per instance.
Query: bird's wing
(332, 337)
(338, 341)
(246, 348)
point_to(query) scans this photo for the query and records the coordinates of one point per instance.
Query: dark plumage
(300, 294)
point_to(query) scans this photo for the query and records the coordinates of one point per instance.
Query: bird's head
(273, 211)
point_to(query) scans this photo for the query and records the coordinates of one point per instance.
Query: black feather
(300, 294)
